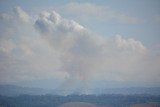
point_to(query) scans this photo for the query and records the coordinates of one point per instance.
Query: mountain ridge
(14, 90)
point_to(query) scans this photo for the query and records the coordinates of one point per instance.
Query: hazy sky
(63, 43)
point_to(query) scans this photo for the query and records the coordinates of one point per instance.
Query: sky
(80, 44)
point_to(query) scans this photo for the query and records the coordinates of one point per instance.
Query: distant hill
(108, 100)
(13, 90)
(128, 91)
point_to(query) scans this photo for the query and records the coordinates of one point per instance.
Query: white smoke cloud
(63, 48)
(84, 54)
(130, 44)
(53, 21)
(24, 54)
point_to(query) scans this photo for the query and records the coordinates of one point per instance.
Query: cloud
(85, 55)
(58, 30)
(52, 46)
(22, 15)
(89, 11)
(130, 44)
(48, 22)
(24, 54)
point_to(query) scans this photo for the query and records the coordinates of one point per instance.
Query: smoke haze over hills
(46, 44)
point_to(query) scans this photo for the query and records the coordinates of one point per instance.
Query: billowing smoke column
(64, 49)
(83, 53)
(78, 49)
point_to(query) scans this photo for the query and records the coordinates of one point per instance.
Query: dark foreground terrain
(109, 100)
